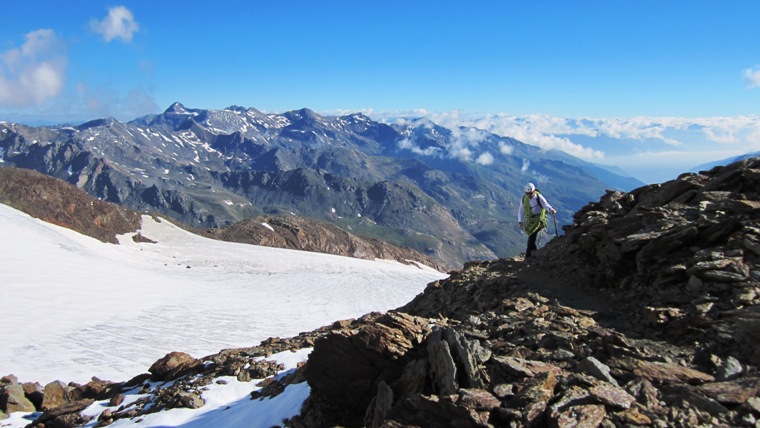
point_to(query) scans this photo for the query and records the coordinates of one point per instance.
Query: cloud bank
(652, 149)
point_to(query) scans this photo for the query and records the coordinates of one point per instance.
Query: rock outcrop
(680, 260)
(643, 313)
(55, 201)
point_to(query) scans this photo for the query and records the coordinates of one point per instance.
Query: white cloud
(33, 73)
(485, 158)
(463, 139)
(537, 130)
(407, 144)
(639, 128)
(119, 24)
(752, 77)
(505, 148)
(461, 153)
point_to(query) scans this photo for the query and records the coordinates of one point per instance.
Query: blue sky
(69, 61)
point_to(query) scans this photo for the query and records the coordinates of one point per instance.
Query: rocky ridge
(301, 233)
(643, 314)
(57, 202)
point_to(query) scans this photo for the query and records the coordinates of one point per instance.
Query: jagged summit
(176, 107)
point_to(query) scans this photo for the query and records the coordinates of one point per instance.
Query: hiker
(532, 215)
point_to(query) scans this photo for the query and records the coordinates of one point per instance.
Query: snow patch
(227, 403)
(184, 293)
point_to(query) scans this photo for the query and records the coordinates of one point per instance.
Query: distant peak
(359, 116)
(304, 113)
(177, 107)
(246, 110)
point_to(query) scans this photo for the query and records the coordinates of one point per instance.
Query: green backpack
(533, 223)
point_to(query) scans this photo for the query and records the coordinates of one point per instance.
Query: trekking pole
(555, 225)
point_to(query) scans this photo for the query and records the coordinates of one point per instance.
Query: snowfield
(74, 307)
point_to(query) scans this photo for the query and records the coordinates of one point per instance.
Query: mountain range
(449, 193)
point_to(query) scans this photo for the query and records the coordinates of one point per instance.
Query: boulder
(55, 395)
(13, 399)
(64, 416)
(347, 365)
(172, 365)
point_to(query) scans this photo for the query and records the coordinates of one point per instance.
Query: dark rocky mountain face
(644, 313)
(417, 184)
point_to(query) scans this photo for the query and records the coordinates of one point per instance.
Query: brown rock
(64, 416)
(346, 366)
(9, 379)
(55, 395)
(96, 389)
(533, 413)
(35, 393)
(645, 393)
(171, 365)
(478, 399)
(732, 392)
(585, 416)
(539, 388)
(663, 372)
(574, 396)
(116, 400)
(511, 368)
(435, 411)
(190, 400)
(13, 399)
(632, 416)
(612, 396)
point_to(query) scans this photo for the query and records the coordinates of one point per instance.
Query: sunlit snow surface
(73, 307)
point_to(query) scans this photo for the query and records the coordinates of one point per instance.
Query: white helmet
(529, 187)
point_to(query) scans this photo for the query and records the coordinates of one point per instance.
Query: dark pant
(531, 243)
